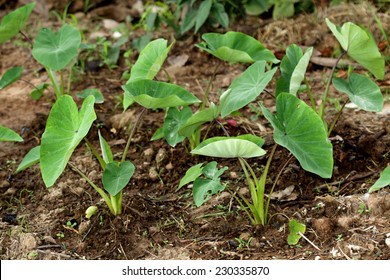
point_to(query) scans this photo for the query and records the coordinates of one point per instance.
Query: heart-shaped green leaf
(116, 176)
(362, 91)
(296, 231)
(38, 91)
(150, 60)
(212, 172)
(203, 189)
(383, 181)
(245, 146)
(246, 88)
(99, 98)
(299, 129)
(198, 119)
(255, 7)
(283, 9)
(10, 76)
(147, 65)
(65, 128)
(8, 135)
(360, 45)
(158, 95)
(173, 121)
(191, 175)
(31, 158)
(12, 23)
(236, 47)
(55, 50)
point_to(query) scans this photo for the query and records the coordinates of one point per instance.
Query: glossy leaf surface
(300, 130)
(65, 128)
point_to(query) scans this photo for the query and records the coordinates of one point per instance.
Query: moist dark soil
(159, 222)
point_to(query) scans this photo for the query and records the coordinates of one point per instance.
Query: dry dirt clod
(11, 191)
(245, 236)
(27, 242)
(4, 184)
(378, 203)
(84, 226)
(233, 175)
(169, 166)
(161, 156)
(148, 154)
(153, 174)
(323, 226)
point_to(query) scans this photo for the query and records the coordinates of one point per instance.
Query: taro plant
(151, 94)
(206, 180)
(54, 50)
(296, 127)
(66, 126)
(232, 47)
(359, 45)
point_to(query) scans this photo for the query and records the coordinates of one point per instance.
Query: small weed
(71, 223)
(60, 235)
(363, 209)
(243, 244)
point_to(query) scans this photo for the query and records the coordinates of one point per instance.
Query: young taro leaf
(147, 65)
(383, 181)
(236, 47)
(198, 119)
(31, 158)
(203, 14)
(8, 135)
(106, 150)
(293, 68)
(189, 19)
(246, 88)
(300, 130)
(116, 176)
(362, 91)
(55, 50)
(150, 60)
(283, 8)
(287, 67)
(218, 11)
(37, 92)
(212, 172)
(296, 229)
(158, 134)
(299, 72)
(257, 7)
(10, 76)
(99, 98)
(204, 188)
(245, 146)
(173, 121)
(360, 46)
(158, 95)
(65, 128)
(191, 175)
(12, 23)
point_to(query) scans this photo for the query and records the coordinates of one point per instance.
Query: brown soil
(161, 223)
